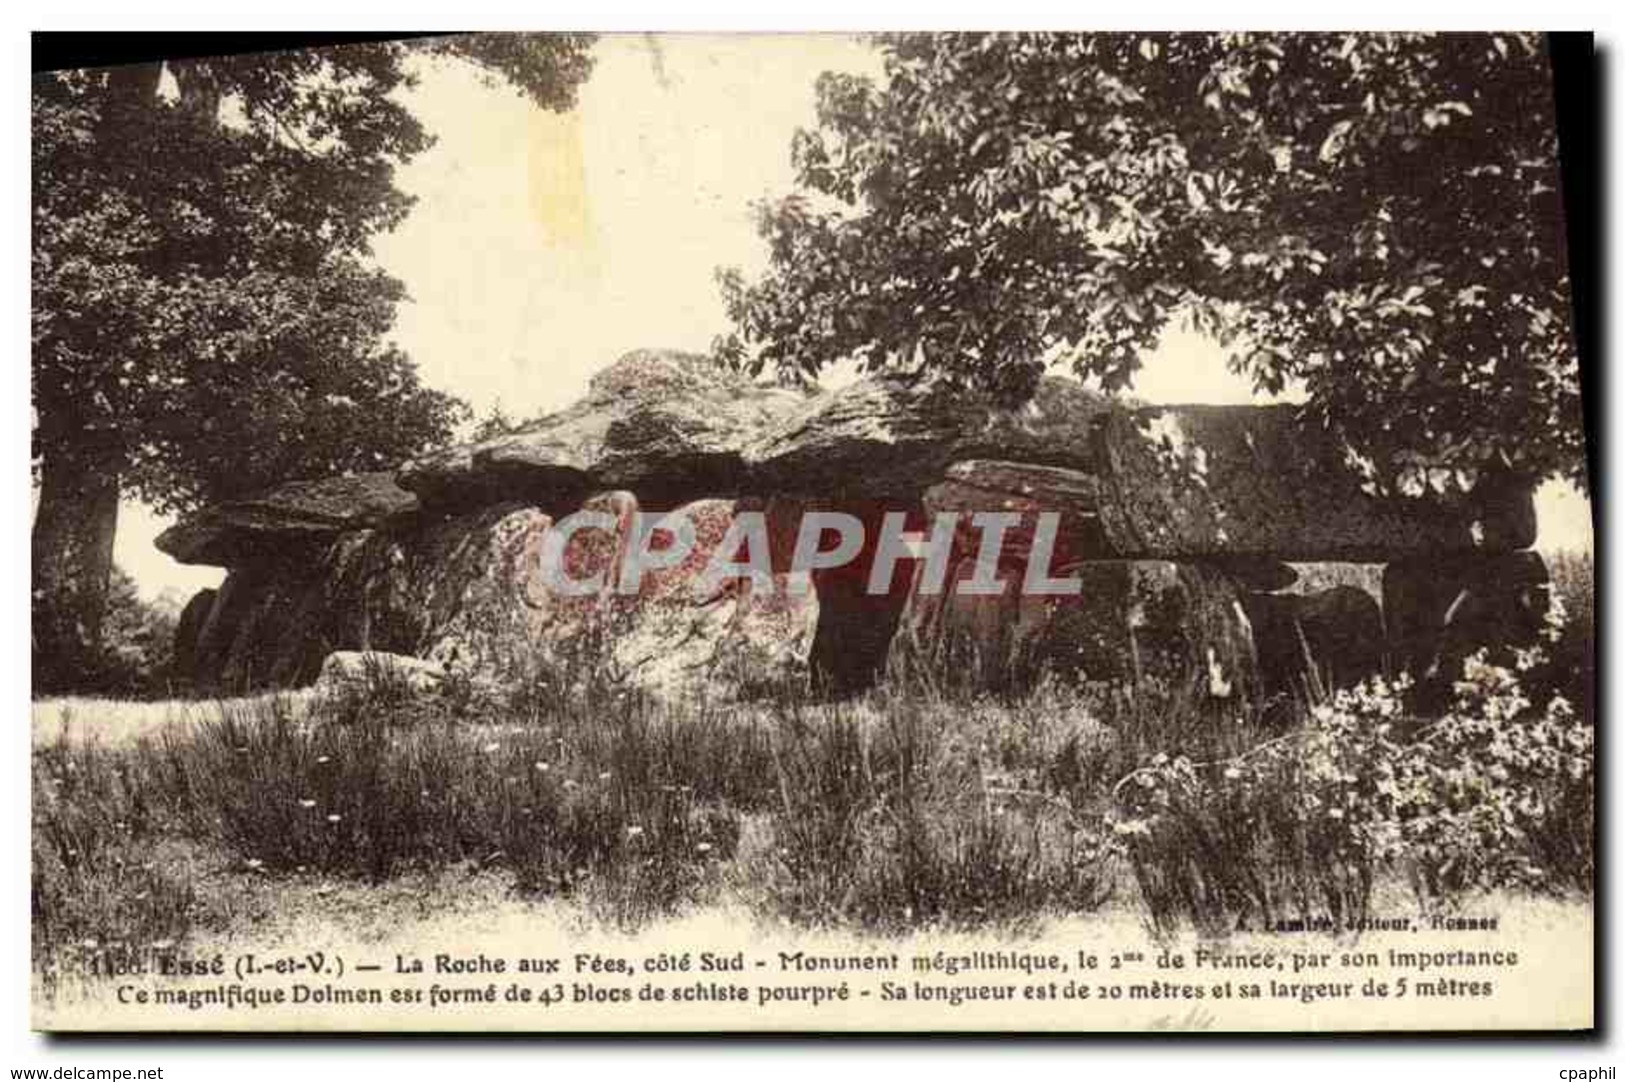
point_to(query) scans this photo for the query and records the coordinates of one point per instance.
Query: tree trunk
(73, 559)
(81, 457)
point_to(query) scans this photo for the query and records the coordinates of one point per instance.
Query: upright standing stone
(1440, 611)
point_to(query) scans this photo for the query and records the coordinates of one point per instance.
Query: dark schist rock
(1313, 641)
(1177, 627)
(1244, 487)
(656, 420)
(187, 631)
(450, 588)
(1231, 481)
(300, 514)
(467, 593)
(889, 437)
(1440, 612)
(1195, 532)
(986, 485)
(981, 485)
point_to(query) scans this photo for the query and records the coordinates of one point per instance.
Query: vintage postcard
(1033, 532)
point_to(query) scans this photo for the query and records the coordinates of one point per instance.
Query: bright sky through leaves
(543, 246)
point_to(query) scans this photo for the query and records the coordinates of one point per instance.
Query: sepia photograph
(912, 532)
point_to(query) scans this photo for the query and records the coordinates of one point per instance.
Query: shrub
(1500, 792)
(137, 648)
(1573, 670)
(1496, 793)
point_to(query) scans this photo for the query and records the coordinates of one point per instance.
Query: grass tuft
(921, 804)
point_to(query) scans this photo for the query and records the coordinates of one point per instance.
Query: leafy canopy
(1373, 217)
(207, 317)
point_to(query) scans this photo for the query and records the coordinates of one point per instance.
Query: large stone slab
(982, 485)
(889, 437)
(682, 634)
(1311, 642)
(1176, 625)
(452, 590)
(468, 594)
(1001, 640)
(299, 514)
(1195, 483)
(1174, 628)
(188, 628)
(1192, 481)
(674, 427)
(671, 426)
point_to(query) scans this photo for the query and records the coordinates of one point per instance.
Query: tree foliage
(1375, 218)
(207, 317)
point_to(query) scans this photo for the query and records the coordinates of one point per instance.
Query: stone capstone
(300, 515)
(889, 437)
(1203, 481)
(1200, 542)
(657, 421)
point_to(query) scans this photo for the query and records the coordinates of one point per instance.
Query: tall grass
(921, 803)
(1574, 660)
(630, 808)
(110, 875)
(897, 812)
